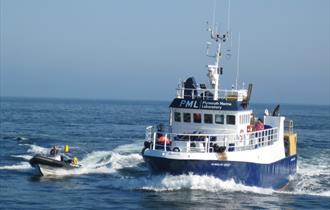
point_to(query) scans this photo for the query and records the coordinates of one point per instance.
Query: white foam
(112, 159)
(101, 162)
(19, 166)
(24, 157)
(305, 182)
(162, 183)
(96, 159)
(129, 148)
(325, 194)
(79, 171)
(321, 194)
(119, 161)
(37, 149)
(311, 173)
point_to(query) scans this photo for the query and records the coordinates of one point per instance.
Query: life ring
(241, 135)
(176, 149)
(163, 139)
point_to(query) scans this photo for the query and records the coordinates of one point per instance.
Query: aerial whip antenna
(237, 70)
(228, 51)
(228, 17)
(213, 18)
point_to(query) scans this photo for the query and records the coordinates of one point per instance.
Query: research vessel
(213, 131)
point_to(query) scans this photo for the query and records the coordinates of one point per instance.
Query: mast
(215, 70)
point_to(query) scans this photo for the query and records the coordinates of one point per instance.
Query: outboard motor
(147, 145)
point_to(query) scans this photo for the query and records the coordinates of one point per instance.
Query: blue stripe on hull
(274, 175)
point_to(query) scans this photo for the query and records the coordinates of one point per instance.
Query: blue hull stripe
(274, 175)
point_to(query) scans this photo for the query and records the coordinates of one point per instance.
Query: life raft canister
(163, 139)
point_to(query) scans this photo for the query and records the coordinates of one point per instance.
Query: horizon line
(140, 100)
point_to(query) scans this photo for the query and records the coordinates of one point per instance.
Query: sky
(140, 50)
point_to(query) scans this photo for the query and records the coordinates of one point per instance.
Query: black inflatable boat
(49, 166)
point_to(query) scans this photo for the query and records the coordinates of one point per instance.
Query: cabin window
(186, 117)
(219, 119)
(197, 118)
(208, 118)
(177, 116)
(231, 120)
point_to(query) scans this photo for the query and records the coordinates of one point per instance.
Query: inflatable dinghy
(49, 166)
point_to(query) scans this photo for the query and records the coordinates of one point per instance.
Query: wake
(309, 180)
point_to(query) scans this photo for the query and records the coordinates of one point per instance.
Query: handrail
(205, 134)
(232, 142)
(208, 93)
(288, 125)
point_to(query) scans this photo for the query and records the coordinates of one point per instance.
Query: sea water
(108, 136)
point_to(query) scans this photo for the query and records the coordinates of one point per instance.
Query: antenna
(237, 71)
(228, 51)
(228, 17)
(213, 18)
(208, 44)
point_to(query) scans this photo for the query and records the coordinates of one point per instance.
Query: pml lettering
(188, 104)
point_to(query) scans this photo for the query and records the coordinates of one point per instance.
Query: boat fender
(176, 149)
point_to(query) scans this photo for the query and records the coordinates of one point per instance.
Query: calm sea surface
(108, 136)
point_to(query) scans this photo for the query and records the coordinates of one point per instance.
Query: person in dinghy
(55, 153)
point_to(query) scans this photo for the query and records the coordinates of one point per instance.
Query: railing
(207, 94)
(209, 142)
(288, 126)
